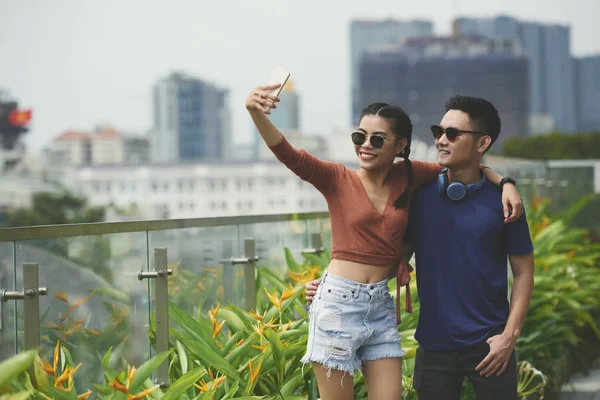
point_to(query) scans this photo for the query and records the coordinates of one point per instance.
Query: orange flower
(92, 332)
(271, 324)
(124, 388)
(278, 301)
(203, 387)
(62, 296)
(52, 325)
(254, 372)
(85, 395)
(67, 376)
(48, 368)
(255, 315)
(117, 385)
(51, 369)
(216, 326)
(260, 348)
(143, 394)
(259, 329)
(79, 302)
(286, 327)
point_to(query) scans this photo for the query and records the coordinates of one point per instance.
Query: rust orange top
(359, 232)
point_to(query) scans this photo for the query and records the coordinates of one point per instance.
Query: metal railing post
(317, 244)
(31, 307)
(161, 274)
(249, 261)
(228, 275)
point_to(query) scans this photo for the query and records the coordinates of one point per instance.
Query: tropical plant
(561, 333)
(220, 351)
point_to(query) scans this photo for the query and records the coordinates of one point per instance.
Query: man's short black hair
(483, 114)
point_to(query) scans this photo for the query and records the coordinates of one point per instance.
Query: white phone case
(279, 75)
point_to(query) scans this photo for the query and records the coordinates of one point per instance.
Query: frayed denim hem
(382, 356)
(346, 367)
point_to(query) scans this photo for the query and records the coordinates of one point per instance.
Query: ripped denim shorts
(351, 322)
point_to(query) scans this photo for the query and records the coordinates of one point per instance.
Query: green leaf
(232, 341)
(15, 365)
(277, 349)
(292, 383)
(106, 358)
(243, 350)
(182, 358)
(272, 278)
(147, 369)
(291, 261)
(17, 396)
(184, 383)
(200, 331)
(576, 208)
(210, 358)
(233, 321)
(102, 388)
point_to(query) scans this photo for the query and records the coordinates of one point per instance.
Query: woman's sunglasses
(358, 138)
(451, 133)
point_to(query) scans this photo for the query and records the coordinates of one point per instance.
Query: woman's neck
(377, 177)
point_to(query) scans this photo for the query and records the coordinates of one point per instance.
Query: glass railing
(96, 298)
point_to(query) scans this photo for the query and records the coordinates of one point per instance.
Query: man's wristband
(507, 179)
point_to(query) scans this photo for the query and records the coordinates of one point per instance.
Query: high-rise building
(547, 47)
(190, 120)
(422, 73)
(286, 117)
(368, 34)
(587, 93)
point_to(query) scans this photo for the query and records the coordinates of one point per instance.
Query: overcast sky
(79, 63)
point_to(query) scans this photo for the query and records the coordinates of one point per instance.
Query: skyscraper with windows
(368, 34)
(190, 120)
(587, 93)
(422, 73)
(547, 46)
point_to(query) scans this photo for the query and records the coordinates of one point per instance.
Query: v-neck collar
(364, 191)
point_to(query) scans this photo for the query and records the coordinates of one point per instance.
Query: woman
(352, 320)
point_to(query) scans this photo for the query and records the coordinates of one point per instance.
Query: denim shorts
(351, 322)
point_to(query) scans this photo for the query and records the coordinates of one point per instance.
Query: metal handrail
(102, 228)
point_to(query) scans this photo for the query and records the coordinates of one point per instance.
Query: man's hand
(311, 289)
(501, 348)
(512, 202)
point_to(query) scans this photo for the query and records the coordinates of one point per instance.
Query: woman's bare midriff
(362, 273)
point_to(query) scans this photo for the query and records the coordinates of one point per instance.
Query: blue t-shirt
(461, 253)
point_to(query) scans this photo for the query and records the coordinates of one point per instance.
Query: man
(466, 327)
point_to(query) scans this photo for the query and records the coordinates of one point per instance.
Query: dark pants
(439, 375)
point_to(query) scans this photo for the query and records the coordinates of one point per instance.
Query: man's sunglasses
(358, 138)
(451, 133)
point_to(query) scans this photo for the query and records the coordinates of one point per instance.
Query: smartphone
(279, 75)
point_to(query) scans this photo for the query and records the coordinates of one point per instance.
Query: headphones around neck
(457, 190)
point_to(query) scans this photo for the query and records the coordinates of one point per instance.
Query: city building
(422, 73)
(366, 34)
(187, 190)
(314, 144)
(547, 46)
(104, 146)
(191, 120)
(587, 93)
